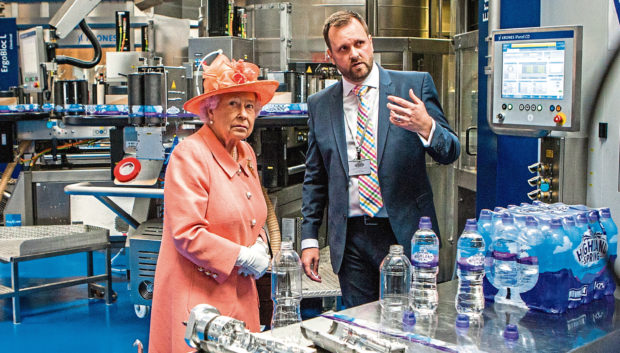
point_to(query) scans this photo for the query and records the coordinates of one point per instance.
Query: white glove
(253, 260)
(260, 245)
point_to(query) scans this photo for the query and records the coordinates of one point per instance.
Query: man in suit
(367, 142)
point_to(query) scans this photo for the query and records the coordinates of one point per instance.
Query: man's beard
(357, 76)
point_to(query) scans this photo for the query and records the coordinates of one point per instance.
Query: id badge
(359, 167)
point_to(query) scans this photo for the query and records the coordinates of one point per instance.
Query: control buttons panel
(535, 111)
(537, 72)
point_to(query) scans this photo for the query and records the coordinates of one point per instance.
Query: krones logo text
(592, 249)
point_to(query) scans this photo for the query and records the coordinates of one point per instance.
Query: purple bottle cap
(593, 216)
(531, 221)
(462, 321)
(570, 221)
(485, 214)
(605, 212)
(425, 223)
(471, 225)
(582, 218)
(511, 332)
(507, 218)
(408, 318)
(556, 223)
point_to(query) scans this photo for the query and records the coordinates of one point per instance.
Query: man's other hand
(310, 261)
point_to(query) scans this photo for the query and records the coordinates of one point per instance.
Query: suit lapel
(337, 118)
(385, 89)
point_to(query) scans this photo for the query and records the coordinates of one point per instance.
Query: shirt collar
(223, 158)
(371, 81)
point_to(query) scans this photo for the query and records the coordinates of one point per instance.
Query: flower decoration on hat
(224, 75)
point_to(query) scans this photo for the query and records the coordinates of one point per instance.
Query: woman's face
(233, 118)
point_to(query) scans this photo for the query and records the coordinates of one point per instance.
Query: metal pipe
(430, 18)
(85, 188)
(439, 19)
(372, 11)
(202, 19)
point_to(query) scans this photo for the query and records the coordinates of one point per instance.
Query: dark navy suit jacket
(405, 186)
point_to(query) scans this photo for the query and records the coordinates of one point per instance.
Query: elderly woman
(213, 244)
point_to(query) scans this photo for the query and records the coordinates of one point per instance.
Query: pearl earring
(210, 122)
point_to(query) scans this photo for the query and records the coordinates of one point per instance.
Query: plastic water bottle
(461, 326)
(558, 246)
(612, 232)
(581, 222)
(470, 255)
(286, 292)
(511, 336)
(530, 247)
(596, 250)
(425, 261)
(485, 228)
(612, 245)
(505, 250)
(497, 219)
(394, 288)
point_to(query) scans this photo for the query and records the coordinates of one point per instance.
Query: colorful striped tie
(370, 193)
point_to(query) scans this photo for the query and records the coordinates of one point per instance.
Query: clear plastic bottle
(286, 292)
(595, 250)
(395, 272)
(485, 228)
(470, 255)
(531, 239)
(505, 251)
(425, 261)
(461, 327)
(581, 222)
(612, 232)
(612, 246)
(557, 247)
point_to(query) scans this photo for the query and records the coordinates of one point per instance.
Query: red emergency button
(36, 85)
(560, 119)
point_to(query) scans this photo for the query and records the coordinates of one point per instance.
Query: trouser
(368, 242)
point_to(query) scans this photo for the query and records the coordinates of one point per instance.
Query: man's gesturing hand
(410, 115)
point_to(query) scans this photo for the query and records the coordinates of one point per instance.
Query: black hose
(603, 81)
(61, 59)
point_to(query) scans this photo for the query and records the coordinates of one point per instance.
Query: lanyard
(358, 144)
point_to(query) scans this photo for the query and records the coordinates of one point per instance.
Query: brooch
(250, 166)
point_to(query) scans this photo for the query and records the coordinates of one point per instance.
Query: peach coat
(212, 206)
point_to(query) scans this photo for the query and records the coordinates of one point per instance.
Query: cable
(219, 51)
(603, 80)
(61, 59)
(34, 158)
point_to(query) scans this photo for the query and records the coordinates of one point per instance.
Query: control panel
(31, 56)
(537, 78)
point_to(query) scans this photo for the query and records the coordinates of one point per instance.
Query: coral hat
(226, 76)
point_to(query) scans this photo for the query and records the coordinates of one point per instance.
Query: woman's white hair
(213, 101)
(208, 103)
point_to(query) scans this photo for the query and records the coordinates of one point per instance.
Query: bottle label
(472, 263)
(504, 256)
(592, 249)
(425, 256)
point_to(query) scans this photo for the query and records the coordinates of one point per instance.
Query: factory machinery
(108, 135)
